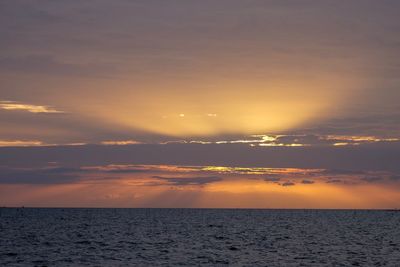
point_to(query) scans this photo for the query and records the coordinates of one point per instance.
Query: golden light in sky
(258, 85)
(239, 107)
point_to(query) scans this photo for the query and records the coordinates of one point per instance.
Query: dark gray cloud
(49, 65)
(342, 172)
(372, 123)
(372, 179)
(127, 170)
(182, 181)
(65, 175)
(395, 177)
(334, 181)
(288, 184)
(178, 175)
(39, 176)
(372, 157)
(182, 32)
(272, 179)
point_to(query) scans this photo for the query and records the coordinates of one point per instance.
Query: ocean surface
(198, 237)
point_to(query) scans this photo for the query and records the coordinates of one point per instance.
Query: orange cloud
(10, 105)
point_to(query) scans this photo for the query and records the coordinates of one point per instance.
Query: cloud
(121, 143)
(300, 140)
(329, 140)
(19, 143)
(272, 179)
(69, 32)
(288, 184)
(50, 65)
(395, 177)
(342, 172)
(39, 175)
(15, 106)
(372, 157)
(181, 181)
(372, 179)
(375, 123)
(127, 170)
(34, 143)
(131, 168)
(175, 175)
(334, 181)
(297, 141)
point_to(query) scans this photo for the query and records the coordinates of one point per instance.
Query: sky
(206, 104)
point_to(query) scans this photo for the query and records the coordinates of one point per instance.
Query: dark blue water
(192, 237)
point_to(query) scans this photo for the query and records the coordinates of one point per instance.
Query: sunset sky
(210, 104)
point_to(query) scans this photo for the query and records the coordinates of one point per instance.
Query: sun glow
(226, 107)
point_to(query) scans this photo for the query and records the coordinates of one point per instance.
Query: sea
(198, 237)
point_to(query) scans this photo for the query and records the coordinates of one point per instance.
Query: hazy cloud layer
(189, 180)
(375, 156)
(159, 175)
(39, 176)
(114, 64)
(49, 65)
